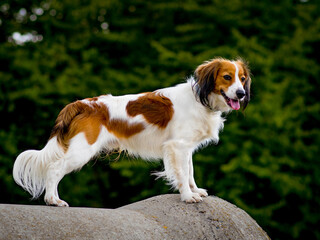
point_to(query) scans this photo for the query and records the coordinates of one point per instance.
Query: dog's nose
(240, 94)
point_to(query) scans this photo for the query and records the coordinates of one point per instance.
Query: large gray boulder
(161, 217)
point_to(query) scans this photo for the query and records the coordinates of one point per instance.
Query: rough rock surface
(160, 217)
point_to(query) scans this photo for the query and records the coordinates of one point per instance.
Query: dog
(169, 124)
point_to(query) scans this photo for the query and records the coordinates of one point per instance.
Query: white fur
(30, 167)
(191, 127)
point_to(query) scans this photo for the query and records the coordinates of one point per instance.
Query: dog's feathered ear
(247, 96)
(205, 76)
(247, 84)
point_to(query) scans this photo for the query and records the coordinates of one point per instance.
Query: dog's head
(229, 80)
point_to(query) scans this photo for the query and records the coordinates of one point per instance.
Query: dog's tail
(61, 129)
(30, 167)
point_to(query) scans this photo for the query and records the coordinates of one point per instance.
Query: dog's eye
(243, 79)
(227, 77)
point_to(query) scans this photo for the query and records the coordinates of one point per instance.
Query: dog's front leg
(202, 192)
(176, 162)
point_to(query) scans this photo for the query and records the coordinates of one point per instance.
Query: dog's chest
(208, 129)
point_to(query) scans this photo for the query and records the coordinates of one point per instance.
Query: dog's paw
(52, 201)
(191, 197)
(202, 192)
(62, 203)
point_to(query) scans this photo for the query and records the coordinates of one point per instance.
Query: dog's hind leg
(78, 154)
(55, 172)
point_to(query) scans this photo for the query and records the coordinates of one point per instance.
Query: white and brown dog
(168, 124)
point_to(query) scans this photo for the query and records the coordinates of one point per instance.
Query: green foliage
(266, 161)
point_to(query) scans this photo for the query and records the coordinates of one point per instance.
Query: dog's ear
(247, 96)
(247, 84)
(205, 76)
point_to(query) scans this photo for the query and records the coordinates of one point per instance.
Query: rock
(160, 217)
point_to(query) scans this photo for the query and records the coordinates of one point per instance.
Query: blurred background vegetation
(267, 161)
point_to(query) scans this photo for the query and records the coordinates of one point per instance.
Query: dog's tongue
(235, 104)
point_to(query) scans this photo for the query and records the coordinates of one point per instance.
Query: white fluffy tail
(30, 167)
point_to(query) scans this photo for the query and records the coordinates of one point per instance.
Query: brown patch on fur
(244, 66)
(80, 117)
(208, 71)
(65, 117)
(154, 107)
(89, 122)
(122, 129)
(92, 99)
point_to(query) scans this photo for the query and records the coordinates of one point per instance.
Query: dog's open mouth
(233, 103)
